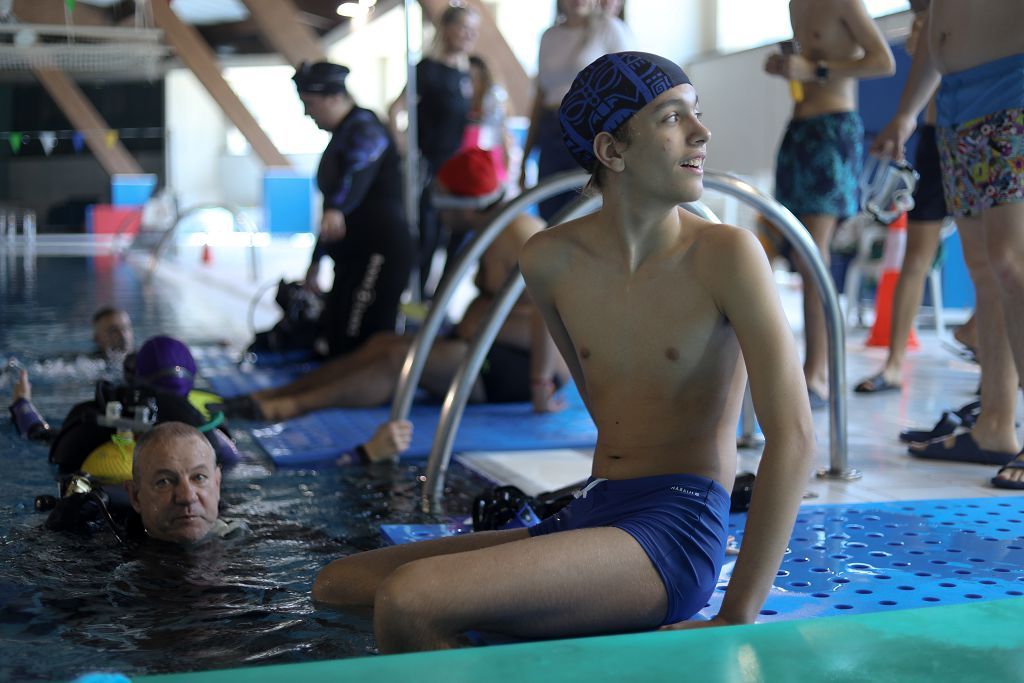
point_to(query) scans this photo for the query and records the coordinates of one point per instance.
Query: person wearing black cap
(656, 312)
(468, 193)
(364, 227)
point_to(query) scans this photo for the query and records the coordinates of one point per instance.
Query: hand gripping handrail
(238, 218)
(416, 357)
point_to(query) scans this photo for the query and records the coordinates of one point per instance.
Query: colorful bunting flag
(70, 4)
(15, 139)
(111, 138)
(77, 141)
(48, 139)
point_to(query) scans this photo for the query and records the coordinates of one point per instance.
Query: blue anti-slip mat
(871, 557)
(320, 437)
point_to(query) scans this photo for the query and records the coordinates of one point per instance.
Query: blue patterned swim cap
(607, 92)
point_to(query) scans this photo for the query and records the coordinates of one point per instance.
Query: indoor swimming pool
(916, 568)
(71, 604)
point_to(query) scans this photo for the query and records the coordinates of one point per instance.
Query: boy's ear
(608, 151)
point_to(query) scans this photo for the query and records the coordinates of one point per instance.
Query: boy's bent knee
(408, 610)
(339, 584)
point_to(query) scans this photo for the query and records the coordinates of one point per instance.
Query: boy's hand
(717, 620)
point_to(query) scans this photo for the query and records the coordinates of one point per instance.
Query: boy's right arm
(541, 262)
(744, 289)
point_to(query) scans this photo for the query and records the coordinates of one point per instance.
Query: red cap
(470, 173)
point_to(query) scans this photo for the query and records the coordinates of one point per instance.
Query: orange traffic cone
(207, 255)
(892, 261)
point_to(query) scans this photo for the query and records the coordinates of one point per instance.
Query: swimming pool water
(71, 604)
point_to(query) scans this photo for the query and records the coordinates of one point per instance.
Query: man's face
(668, 146)
(177, 489)
(318, 108)
(113, 333)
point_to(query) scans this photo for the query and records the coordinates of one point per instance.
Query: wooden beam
(491, 45)
(114, 158)
(279, 22)
(196, 54)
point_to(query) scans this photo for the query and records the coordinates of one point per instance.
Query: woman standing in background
(582, 32)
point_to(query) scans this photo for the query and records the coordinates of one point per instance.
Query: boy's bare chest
(643, 327)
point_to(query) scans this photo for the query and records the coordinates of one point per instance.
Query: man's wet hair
(163, 433)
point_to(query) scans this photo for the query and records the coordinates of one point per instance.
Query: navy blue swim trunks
(680, 520)
(929, 200)
(819, 164)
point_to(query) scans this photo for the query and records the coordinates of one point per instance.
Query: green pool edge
(966, 642)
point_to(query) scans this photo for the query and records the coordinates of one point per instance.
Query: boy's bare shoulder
(724, 249)
(553, 246)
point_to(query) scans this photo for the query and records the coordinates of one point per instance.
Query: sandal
(1015, 464)
(964, 416)
(960, 447)
(876, 384)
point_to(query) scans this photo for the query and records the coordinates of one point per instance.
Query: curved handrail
(238, 219)
(459, 390)
(458, 394)
(416, 357)
(798, 237)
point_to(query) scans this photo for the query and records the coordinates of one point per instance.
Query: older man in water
(175, 485)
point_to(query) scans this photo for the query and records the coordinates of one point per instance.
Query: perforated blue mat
(320, 437)
(871, 557)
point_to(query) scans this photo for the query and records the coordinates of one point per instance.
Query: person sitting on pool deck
(656, 311)
(522, 364)
(159, 387)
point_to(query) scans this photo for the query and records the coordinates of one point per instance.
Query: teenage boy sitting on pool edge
(655, 311)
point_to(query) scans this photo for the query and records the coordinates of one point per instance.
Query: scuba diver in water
(97, 435)
(94, 447)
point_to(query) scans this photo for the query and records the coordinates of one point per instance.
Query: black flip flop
(960, 447)
(876, 384)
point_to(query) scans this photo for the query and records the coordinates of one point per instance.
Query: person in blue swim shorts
(819, 159)
(980, 131)
(660, 316)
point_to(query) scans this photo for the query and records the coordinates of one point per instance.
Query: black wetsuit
(360, 175)
(445, 97)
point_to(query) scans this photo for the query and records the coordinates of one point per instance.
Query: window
(743, 24)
